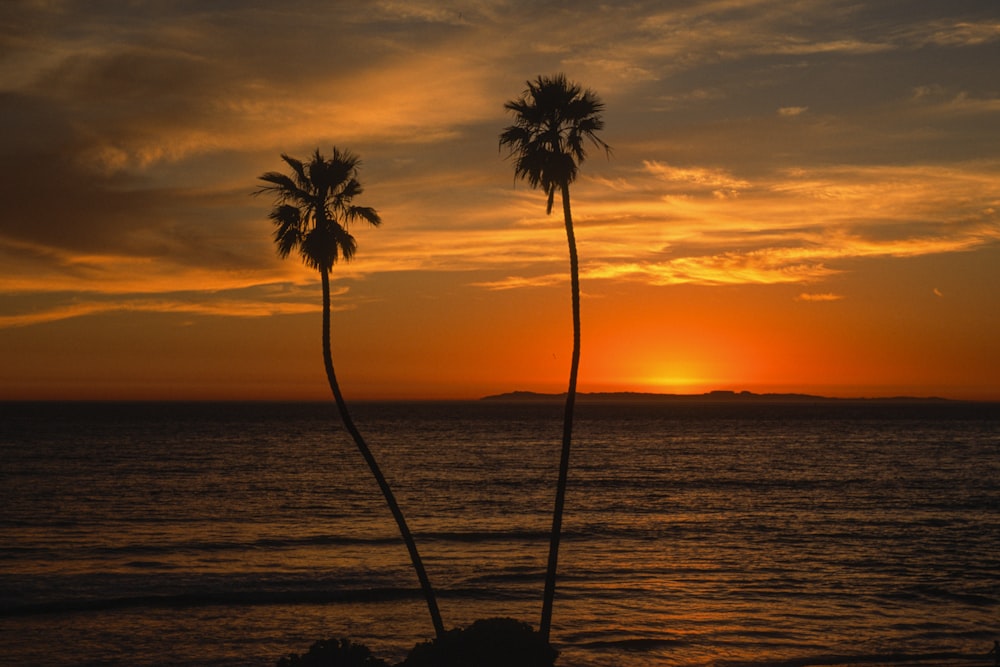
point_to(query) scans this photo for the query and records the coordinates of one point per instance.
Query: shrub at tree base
(493, 642)
(334, 653)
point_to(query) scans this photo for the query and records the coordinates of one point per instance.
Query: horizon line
(715, 395)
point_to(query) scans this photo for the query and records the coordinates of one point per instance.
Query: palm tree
(312, 211)
(552, 120)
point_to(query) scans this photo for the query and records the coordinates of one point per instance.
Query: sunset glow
(802, 197)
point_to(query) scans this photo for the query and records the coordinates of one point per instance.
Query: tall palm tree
(552, 120)
(313, 208)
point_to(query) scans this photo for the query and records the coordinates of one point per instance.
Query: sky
(802, 196)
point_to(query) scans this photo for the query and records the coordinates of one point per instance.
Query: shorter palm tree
(312, 211)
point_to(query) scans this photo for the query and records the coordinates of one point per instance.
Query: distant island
(718, 396)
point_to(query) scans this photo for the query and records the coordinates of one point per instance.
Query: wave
(943, 658)
(195, 546)
(938, 593)
(488, 536)
(212, 599)
(230, 598)
(642, 645)
(275, 543)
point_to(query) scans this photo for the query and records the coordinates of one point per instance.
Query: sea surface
(696, 533)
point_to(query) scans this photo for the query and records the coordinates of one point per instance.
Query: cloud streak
(217, 308)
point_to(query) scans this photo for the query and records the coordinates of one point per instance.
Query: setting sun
(676, 385)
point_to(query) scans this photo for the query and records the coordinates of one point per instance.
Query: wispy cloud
(823, 296)
(768, 266)
(517, 282)
(792, 111)
(945, 102)
(718, 181)
(799, 225)
(961, 33)
(221, 308)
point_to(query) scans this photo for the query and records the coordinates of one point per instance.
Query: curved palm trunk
(390, 498)
(556, 535)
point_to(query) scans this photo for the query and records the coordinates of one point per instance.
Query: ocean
(729, 533)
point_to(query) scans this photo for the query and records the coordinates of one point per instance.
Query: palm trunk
(390, 499)
(555, 537)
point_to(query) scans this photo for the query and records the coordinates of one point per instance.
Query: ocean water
(698, 533)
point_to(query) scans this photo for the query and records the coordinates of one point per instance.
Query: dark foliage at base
(334, 653)
(492, 642)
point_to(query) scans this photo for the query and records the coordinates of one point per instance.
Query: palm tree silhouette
(312, 211)
(552, 120)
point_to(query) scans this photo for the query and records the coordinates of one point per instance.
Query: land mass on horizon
(711, 396)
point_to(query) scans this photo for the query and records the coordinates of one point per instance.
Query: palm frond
(286, 215)
(366, 213)
(313, 206)
(287, 239)
(345, 157)
(288, 221)
(345, 243)
(279, 184)
(351, 189)
(552, 119)
(298, 168)
(515, 138)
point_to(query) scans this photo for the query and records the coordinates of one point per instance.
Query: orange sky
(803, 196)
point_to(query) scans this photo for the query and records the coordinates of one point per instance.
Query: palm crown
(313, 209)
(553, 118)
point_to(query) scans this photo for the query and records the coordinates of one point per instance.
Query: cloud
(219, 308)
(825, 296)
(517, 282)
(761, 267)
(795, 225)
(792, 111)
(397, 11)
(961, 33)
(949, 102)
(188, 83)
(135, 137)
(718, 181)
(257, 300)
